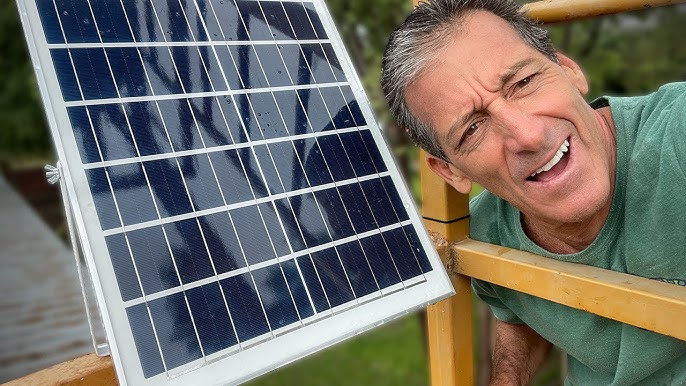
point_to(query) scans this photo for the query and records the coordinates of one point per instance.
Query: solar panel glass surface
(232, 193)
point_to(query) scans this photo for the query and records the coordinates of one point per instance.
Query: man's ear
(574, 72)
(450, 174)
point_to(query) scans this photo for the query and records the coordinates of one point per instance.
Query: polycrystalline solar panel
(237, 204)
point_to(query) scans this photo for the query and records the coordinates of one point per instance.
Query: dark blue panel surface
(175, 332)
(357, 151)
(141, 17)
(200, 181)
(172, 19)
(313, 162)
(419, 251)
(400, 249)
(337, 107)
(245, 307)
(248, 66)
(336, 157)
(316, 58)
(132, 193)
(194, 20)
(277, 20)
(353, 106)
(274, 229)
(310, 219)
(278, 302)
(211, 317)
(333, 62)
(222, 242)
(359, 272)
(298, 292)
(229, 20)
(112, 131)
(252, 234)
(210, 121)
(65, 74)
(128, 71)
(151, 256)
(231, 176)
(192, 71)
(264, 120)
(380, 261)
(268, 169)
(167, 187)
(83, 133)
(314, 19)
(189, 251)
(358, 208)
(94, 73)
(290, 224)
(287, 163)
(111, 21)
(77, 21)
(146, 344)
(103, 199)
(296, 64)
(252, 170)
(373, 150)
(272, 64)
(229, 67)
(232, 119)
(180, 124)
(333, 277)
(123, 267)
(316, 110)
(50, 22)
(376, 195)
(393, 195)
(313, 284)
(254, 20)
(161, 71)
(147, 128)
(335, 213)
(299, 20)
(292, 112)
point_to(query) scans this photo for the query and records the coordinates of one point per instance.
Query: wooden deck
(42, 316)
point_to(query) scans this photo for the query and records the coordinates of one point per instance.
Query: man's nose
(522, 131)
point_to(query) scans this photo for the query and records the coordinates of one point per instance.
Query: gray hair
(413, 44)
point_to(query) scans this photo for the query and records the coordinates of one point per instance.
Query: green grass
(390, 355)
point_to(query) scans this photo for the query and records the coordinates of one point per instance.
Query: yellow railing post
(449, 321)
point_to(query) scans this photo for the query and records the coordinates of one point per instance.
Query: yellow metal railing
(634, 300)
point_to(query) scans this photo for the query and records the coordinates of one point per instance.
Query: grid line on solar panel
(346, 242)
(318, 259)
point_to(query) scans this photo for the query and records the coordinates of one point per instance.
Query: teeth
(556, 158)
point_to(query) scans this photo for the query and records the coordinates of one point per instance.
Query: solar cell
(235, 199)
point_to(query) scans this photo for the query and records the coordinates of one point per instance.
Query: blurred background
(42, 321)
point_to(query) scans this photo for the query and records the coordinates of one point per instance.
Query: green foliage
(390, 355)
(23, 131)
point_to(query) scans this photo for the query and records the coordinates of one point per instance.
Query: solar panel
(235, 200)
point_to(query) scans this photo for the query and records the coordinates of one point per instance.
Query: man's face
(514, 121)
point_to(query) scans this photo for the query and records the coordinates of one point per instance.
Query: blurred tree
(23, 131)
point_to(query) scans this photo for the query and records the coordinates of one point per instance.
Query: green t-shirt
(644, 235)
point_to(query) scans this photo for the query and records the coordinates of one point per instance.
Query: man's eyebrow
(507, 76)
(504, 79)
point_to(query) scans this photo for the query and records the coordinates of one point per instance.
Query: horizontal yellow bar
(552, 11)
(649, 304)
(86, 370)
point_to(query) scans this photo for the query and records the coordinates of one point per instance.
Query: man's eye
(524, 82)
(472, 129)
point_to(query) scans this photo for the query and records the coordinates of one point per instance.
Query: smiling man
(480, 87)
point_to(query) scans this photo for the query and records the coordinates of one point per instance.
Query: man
(480, 87)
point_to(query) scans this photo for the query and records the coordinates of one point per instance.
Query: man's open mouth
(564, 148)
